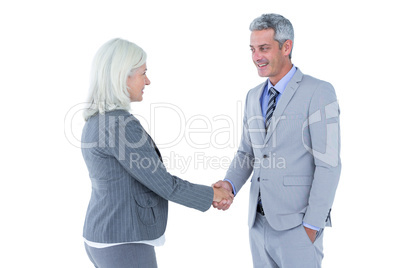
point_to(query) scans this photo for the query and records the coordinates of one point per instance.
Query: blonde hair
(112, 64)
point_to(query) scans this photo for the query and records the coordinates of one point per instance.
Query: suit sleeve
(323, 126)
(133, 150)
(242, 164)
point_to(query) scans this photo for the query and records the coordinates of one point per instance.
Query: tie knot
(273, 92)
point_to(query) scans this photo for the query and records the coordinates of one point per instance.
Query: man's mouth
(262, 65)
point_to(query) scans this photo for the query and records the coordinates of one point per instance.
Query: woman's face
(136, 83)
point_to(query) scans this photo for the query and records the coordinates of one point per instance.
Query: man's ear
(287, 47)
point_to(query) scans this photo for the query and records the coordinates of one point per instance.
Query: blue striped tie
(271, 107)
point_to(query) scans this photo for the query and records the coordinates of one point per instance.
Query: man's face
(270, 60)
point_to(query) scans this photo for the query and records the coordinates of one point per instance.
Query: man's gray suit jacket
(130, 184)
(296, 164)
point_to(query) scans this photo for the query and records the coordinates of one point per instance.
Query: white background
(198, 61)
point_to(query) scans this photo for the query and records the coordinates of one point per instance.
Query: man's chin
(263, 74)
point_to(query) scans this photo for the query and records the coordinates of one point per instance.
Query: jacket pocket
(146, 207)
(298, 180)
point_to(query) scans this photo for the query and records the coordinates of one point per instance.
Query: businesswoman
(127, 212)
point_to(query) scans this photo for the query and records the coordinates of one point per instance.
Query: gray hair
(282, 27)
(112, 64)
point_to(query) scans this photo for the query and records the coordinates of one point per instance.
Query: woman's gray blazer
(130, 184)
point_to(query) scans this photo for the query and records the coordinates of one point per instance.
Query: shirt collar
(281, 85)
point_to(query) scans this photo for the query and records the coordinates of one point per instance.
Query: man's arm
(323, 125)
(241, 166)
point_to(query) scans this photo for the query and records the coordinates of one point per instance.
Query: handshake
(223, 195)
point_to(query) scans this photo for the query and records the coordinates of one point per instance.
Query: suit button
(258, 179)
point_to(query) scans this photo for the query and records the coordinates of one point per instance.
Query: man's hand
(311, 233)
(222, 205)
(223, 196)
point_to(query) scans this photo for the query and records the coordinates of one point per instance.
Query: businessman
(291, 144)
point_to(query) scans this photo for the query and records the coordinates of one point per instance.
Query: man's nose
(256, 56)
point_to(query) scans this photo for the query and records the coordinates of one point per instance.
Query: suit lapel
(258, 112)
(153, 144)
(283, 102)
